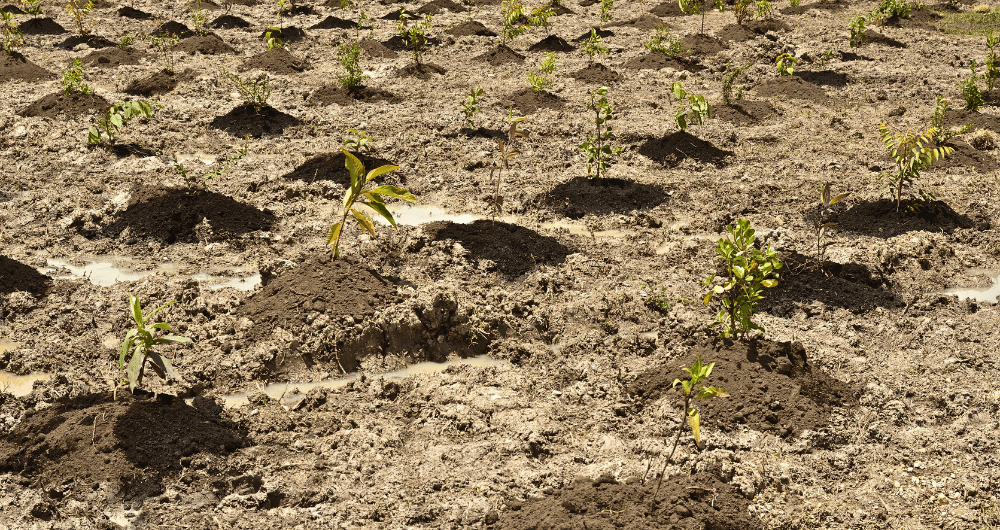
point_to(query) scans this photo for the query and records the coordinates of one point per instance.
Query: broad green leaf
(161, 325)
(333, 234)
(393, 191)
(355, 167)
(718, 289)
(126, 346)
(364, 221)
(695, 427)
(136, 310)
(93, 136)
(134, 369)
(172, 339)
(382, 210)
(707, 299)
(769, 283)
(380, 171)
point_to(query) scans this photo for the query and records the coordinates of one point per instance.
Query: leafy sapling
(254, 92)
(593, 46)
(606, 7)
(911, 154)
(163, 44)
(728, 82)
(471, 106)
(822, 218)
(858, 27)
(540, 82)
(414, 36)
(992, 73)
(72, 80)
(516, 21)
(372, 198)
(505, 152)
(664, 44)
(695, 110)
(697, 7)
(139, 342)
(750, 270)
(350, 58)
(970, 90)
(786, 64)
(941, 133)
(221, 166)
(79, 11)
(764, 9)
(359, 141)
(11, 33)
(117, 118)
(199, 16)
(32, 8)
(598, 146)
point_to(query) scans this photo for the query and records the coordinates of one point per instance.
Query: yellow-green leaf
(356, 168)
(695, 427)
(380, 171)
(333, 234)
(364, 221)
(394, 191)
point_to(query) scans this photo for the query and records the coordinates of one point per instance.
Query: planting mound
(287, 35)
(680, 145)
(657, 61)
(277, 60)
(736, 33)
(596, 74)
(58, 103)
(332, 22)
(501, 55)
(204, 44)
(131, 12)
(771, 385)
(645, 22)
(967, 156)
(92, 41)
(158, 83)
(331, 166)
(16, 276)
(229, 22)
(602, 33)
(582, 196)
(471, 27)
(172, 28)
(528, 101)
(376, 49)
(171, 214)
(336, 287)
(16, 67)
(793, 87)
(701, 44)
(699, 501)
(955, 118)
(667, 9)
(880, 219)
(41, 26)
(436, 6)
(133, 442)
(874, 37)
(112, 57)
(330, 94)
(824, 77)
(851, 286)
(744, 112)
(513, 249)
(245, 119)
(421, 71)
(552, 43)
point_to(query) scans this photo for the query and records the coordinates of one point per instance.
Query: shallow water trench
(103, 271)
(18, 385)
(979, 294)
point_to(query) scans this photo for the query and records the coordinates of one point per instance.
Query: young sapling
(970, 90)
(117, 119)
(72, 80)
(79, 11)
(598, 146)
(505, 152)
(821, 221)
(220, 168)
(911, 154)
(858, 27)
(593, 46)
(140, 340)
(941, 133)
(359, 141)
(729, 80)
(540, 82)
(415, 36)
(254, 92)
(786, 64)
(695, 110)
(11, 33)
(471, 106)
(663, 43)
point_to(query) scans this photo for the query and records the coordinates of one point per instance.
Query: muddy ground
(870, 402)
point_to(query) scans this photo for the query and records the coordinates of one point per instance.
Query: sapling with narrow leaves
(254, 91)
(139, 342)
(163, 44)
(117, 118)
(970, 90)
(11, 33)
(79, 11)
(858, 27)
(540, 82)
(516, 21)
(505, 152)
(691, 108)
(350, 58)
(598, 146)
(992, 73)
(593, 46)
(372, 198)
(697, 7)
(221, 166)
(359, 141)
(199, 16)
(911, 154)
(32, 8)
(941, 133)
(414, 36)
(729, 80)
(606, 7)
(471, 106)
(662, 43)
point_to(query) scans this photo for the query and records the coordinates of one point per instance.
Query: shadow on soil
(513, 249)
(675, 147)
(331, 166)
(880, 219)
(581, 196)
(16, 276)
(851, 286)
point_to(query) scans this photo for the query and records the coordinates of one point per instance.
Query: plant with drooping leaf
(695, 109)
(372, 198)
(786, 64)
(911, 154)
(822, 220)
(10, 32)
(359, 141)
(750, 270)
(505, 152)
(598, 146)
(117, 119)
(140, 340)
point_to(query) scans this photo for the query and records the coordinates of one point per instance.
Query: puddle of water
(19, 385)
(104, 273)
(221, 282)
(979, 294)
(290, 394)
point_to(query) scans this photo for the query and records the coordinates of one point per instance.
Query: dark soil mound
(12, 9)
(596, 74)
(954, 118)
(736, 33)
(645, 22)
(559, 9)
(824, 77)
(130, 12)
(16, 276)
(172, 28)
(552, 43)
(657, 61)
(514, 249)
(339, 287)
(421, 71)
(761, 27)
(967, 156)
(700, 44)
(394, 15)
(93, 41)
(158, 83)
(880, 219)
(229, 22)
(334, 23)
(744, 112)
(209, 44)
(772, 387)
(16, 67)
(41, 26)
(471, 27)
(581, 196)
(333, 93)
(791, 87)
(135, 443)
(436, 6)
(919, 19)
(302, 10)
(171, 214)
(852, 286)
(501, 55)
(376, 49)
(602, 33)
(397, 43)
(58, 103)
(112, 57)
(245, 119)
(278, 61)
(677, 146)
(287, 35)
(331, 166)
(527, 100)
(667, 9)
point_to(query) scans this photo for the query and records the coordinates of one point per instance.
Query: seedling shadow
(245, 119)
(824, 77)
(880, 219)
(851, 286)
(513, 249)
(677, 146)
(16, 276)
(331, 167)
(581, 196)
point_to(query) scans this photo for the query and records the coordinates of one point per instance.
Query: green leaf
(364, 221)
(136, 310)
(135, 369)
(707, 299)
(172, 339)
(333, 234)
(356, 169)
(126, 346)
(393, 191)
(93, 136)
(382, 210)
(380, 171)
(695, 427)
(769, 283)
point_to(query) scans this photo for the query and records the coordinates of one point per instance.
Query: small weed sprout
(117, 118)
(593, 46)
(199, 17)
(540, 82)
(350, 58)
(372, 198)
(12, 36)
(750, 271)
(992, 73)
(72, 80)
(786, 64)
(505, 152)
(415, 36)
(694, 111)
(911, 155)
(728, 82)
(254, 92)
(127, 40)
(941, 133)
(359, 141)
(471, 106)
(658, 299)
(858, 27)
(140, 340)
(825, 57)
(662, 43)
(794, 3)
(970, 90)
(79, 11)
(220, 168)
(163, 46)
(821, 221)
(271, 41)
(598, 146)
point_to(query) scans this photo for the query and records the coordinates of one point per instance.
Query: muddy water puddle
(290, 394)
(979, 294)
(106, 271)
(18, 385)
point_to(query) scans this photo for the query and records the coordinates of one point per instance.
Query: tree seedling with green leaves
(221, 166)
(697, 7)
(471, 106)
(750, 270)
(414, 36)
(786, 64)
(199, 16)
(32, 7)
(992, 73)
(79, 11)
(598, 146)
(606, 8)
(11, 33)
(72, 80)
(505, 152)
(349, 55)
(359, 141)
(728, 82)
(970, 90)
(516, 21)
(941, 133)
(255, 92)
(663, 44)
(695, 110)
(139, 342)
(593, 46)
(911, 154)
(540, 82)
(270, 39)
(746, 10)
(117, 118)
(691, 389)
(163, 44)
(821, 221)
(372, 198)
(858, 27)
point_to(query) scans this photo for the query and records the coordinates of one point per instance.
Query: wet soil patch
(421, 71)
(331, 166)
(93, 41)
(158, 83)
(744, 112)
(667, 9)
(16, 276)
(645, 22)
(701, 44)
(658, 61)
(132, 442)
(582, 196)
(436, 6)
(501, 55)
(699, 501)
(287, 35)
(171, 214)
(341, 287)
(17, 67)
(793, 87)
(677, 146)
(880, 219)
(597, 74)
(245, 119)
(41, 26)
(204, 44)
(171, 28)
(229, 22)
(58, 103)
(874, 37)
(112, 57)
(376, 49)
(772, 386)
(602, 33)
(332, 22)
(958, 118)
(552, 43)
(336, 94)
(471, 27)
(514, 250)
(277, 60)
(824, 77)
(851, 286)
(964, 155)
(131, 12)
(527, 100)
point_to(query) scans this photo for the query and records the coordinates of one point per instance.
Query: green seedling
(516, 21)
(117, 119)
(658, 299)
(282, 5)
(858, 27)
(662, 43)
(540, 82)
(372, 198)
(219, 169)
(697, 7)
(992, 73)
(750, 270)
(72, 80)
(786, 64)
(350, 58)
(970, 90)
(911, 155)
(794, 3)
(32, 7)
(471, 106)
(941, 133)
(254, 92)
(505, 152)
(140, 340)
(894, 8)
(606, 7)
(79, 11)
(825, 57)
(11, 33)
(163, 44)
(593, 46)
(359, 141)
(822, 221)
(127, 40)
(729, 80)
(272, 41)
(764, 10)
(415, 36)
(694, 111)
(598, 146)
(199, 17)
